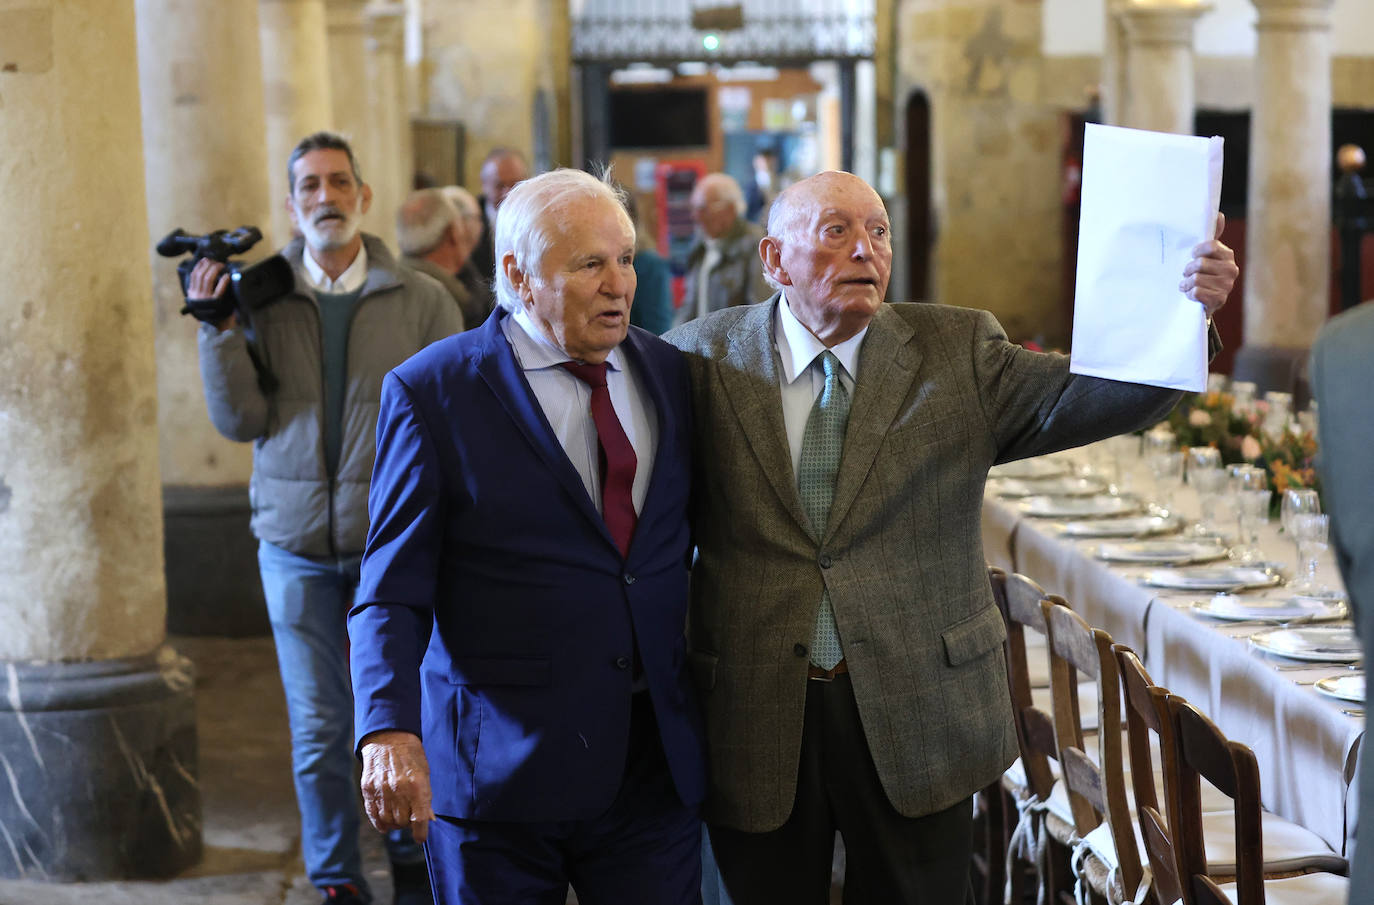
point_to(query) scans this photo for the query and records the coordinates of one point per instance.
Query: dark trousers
(890, 859)
(646, 848)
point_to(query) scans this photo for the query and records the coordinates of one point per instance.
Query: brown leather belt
(826, 675)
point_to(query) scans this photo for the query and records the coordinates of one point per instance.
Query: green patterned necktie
(822, 443)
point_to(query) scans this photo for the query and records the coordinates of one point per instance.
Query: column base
(212, 563)
(102, 769)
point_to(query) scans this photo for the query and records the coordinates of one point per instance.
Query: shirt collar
(351, 280)
(798, 346)
(534, 351)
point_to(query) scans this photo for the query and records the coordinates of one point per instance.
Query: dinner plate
(1212, 578)
(1162, 550)
(1102, 506)
(1323, 643)
(1065, 485)
(1130, 526)
(1349, 687)
(1280, 609)
(1029, 468)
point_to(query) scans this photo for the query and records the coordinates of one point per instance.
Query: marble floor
(252, 833)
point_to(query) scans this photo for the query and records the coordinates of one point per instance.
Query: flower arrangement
(1210, 419)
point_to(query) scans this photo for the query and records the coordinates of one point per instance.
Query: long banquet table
(1305, 742)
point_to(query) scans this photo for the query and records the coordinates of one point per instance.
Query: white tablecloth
(1305, 745)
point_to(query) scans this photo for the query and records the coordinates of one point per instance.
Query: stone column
(347, 24)
(204, 130)
(97, 725)
(1288, 235)
(1159, 64)
(297, 96)
(1113, 88)
(388, 145)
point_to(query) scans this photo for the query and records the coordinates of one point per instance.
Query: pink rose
(1199, 418)
(1250, 449)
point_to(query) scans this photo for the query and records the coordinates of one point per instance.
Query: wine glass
(1312, 531)
(1297, 501)
(1160, 446)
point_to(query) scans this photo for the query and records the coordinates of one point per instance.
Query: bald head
(502, 170)
(717, 203)
(829, 250)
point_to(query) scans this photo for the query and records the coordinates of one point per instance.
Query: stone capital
(385, 24)
(1160, 22)
(1293, 15)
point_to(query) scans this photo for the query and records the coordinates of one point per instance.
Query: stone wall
(996, 148)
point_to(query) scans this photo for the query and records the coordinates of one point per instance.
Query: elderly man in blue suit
(524, 588)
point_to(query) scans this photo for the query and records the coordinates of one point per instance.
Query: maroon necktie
(617, 459)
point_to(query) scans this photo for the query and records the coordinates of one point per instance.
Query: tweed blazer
(1342, 371)
(941, 395)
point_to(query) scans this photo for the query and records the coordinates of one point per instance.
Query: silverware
(1353, 711)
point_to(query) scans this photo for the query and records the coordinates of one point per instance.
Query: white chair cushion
(1307, 889)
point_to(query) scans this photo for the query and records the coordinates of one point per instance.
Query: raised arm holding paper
(843, 634)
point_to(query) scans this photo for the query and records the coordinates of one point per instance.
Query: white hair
(422, 222)
(469, 209)
(534, 213)
(724, 188)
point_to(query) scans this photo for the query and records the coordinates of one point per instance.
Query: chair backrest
(1019, 600)
(1147, 710)
(1202, 751)
(1097, 790)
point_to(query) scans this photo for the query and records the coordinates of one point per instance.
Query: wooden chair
(1031, 781)
(1202, 751)
(1107, 857)
(1291, 849)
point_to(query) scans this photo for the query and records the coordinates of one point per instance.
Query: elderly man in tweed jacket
(843, 632)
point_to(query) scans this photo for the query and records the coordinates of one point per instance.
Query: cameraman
(309, 404)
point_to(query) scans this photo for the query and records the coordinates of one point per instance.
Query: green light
(710, 42)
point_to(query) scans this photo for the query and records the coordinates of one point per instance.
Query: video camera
(250, 287)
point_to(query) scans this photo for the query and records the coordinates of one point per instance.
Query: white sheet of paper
(1148, 198)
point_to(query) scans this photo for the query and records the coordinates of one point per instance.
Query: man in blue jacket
(524, 588)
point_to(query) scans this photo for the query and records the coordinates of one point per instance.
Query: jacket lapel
(502, 373)
(887, 365)
(651, 379)
(749, 373)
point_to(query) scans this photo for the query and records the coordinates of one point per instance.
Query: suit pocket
(506, 671)
(703, 669)
(974, 636)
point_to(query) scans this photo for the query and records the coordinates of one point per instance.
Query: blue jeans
(308, 601)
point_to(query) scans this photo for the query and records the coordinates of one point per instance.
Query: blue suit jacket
(487, 559)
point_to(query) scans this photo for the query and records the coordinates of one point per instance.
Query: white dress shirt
(803, 378)
(566, 401)
(709, 262)
(351, 280)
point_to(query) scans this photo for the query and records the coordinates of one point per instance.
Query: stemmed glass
(1250, 490)
(1311, 530)
(1297, 501)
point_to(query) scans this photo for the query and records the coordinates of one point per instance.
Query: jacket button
(799, 649)
(825, 561)
(629, 579)
(622, 662)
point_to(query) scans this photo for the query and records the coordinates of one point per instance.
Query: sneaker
(411, 881)
(343, 894)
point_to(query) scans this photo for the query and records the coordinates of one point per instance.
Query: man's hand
(1211, 273)
(210, 281)
(396, 783)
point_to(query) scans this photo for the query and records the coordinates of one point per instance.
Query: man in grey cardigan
(843, 634)
(307, 398)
